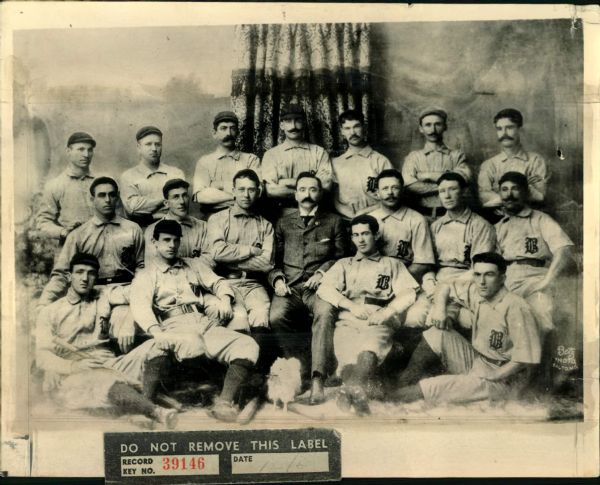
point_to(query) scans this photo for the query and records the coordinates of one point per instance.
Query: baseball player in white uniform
(505, 342)
(371, 291)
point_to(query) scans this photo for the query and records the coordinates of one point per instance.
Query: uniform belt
(530, 262)
(382, 302)
(180, 310)
(240, 275)
(498, 363)
(124, 278)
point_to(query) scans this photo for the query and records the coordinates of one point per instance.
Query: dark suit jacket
(301, 251)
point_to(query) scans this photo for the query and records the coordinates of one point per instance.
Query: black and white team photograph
(299, 223)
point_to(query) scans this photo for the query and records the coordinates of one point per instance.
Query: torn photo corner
(102, 104)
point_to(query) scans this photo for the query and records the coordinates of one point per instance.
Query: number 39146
(183, 463)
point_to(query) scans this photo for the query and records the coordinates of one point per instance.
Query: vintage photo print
(379, 220)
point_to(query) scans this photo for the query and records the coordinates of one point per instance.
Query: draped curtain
(323, 67)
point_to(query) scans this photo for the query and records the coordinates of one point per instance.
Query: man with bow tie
(308, 241)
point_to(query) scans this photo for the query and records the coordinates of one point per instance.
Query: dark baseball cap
(292, 111)
(167, 226)
(81, 137)
(84, 258)
(147, 130)
(225, 116)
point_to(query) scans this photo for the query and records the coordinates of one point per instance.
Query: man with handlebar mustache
(308, 241)
(213, 188)
(513, 158)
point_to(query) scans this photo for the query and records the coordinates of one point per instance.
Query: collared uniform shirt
(504, 327)
(194, 239)
(65, 201)
(161, 287)
(301, 250)
(217, 169)
(456, 240)
(405, 235)
(530, 164)
(141, 186)
(80, 323)
(118, 244)
(233, 232)
(433, 158)
(354, 176)
(530, 234)
(366, 277)
(288, 160)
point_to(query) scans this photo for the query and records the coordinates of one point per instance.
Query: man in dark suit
(308, 242)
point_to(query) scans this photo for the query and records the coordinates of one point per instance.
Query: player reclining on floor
(505, 342)
(372, 293)
(80, 371)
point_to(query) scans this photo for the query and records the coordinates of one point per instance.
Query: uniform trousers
(468, 371)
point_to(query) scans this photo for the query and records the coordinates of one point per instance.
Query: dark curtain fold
(323, 67)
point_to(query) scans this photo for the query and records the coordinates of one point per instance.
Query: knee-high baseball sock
(154, 371)
(126, 399)
(237, 373)
(366, 364)
(423, 362)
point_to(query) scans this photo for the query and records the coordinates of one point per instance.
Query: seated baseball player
(194, 241)
(456, 236)
(241, 243)
(167, 299)
(404, 232)
(371, 292)
(505, 342)
(80, 371)
(119, 246)
(536, 248)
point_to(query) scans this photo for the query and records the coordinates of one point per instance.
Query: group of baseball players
(140, 284)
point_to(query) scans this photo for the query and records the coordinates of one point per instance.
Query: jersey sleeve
(201, 178)
(409, 169)
(553, 234)
(48, 213)
(333, 283)
(524, 334)
(269, 168)
(422, 244)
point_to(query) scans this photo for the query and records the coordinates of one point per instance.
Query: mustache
(308, 199)
(506, 137)
(294, 130)
(229, 138)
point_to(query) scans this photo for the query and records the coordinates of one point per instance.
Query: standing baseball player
(282, 164)
(404, 232)
(370, 291)
(356, 170)
(422, 168)
(142, 185)
(241, 243)
(512, 158)
(214, 171)
(505, 342)
(65, 202)
(168, 298)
